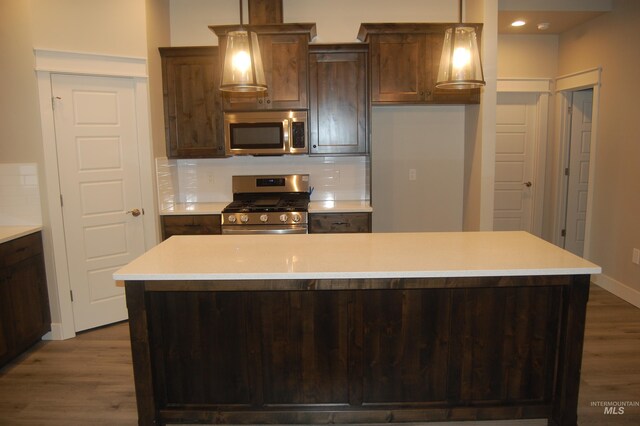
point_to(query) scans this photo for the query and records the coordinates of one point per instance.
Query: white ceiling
(561, 15)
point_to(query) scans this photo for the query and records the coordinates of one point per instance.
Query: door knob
(135, 212)
(527, 184)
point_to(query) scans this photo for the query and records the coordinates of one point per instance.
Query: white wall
(115, 27)
(429, 140)
(528, 56)
(610, 41)
(336, 20)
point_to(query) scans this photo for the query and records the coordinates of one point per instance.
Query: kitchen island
(356, 328)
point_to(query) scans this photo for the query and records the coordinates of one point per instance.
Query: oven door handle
(264, 229)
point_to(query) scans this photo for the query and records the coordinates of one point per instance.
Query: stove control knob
(264, 218)
(283, 218)
(232, 219)
(295, 217)
(244, 218)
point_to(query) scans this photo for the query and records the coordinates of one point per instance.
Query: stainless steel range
(267, 204)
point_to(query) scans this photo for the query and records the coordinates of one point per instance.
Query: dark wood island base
(340, 351)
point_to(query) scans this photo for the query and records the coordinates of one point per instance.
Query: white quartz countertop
(335, 256)
(314, 207)
(8, 233)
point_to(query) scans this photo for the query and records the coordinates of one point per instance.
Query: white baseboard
(56, 333)
(621, 290)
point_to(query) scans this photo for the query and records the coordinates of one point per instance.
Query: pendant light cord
(459, 13)
(241, 24)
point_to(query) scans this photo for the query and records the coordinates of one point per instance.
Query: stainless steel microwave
(265, 133)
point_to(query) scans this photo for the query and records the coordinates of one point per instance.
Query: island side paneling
(358, 351)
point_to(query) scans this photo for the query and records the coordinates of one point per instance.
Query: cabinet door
(404, 66)
(5, 319)
(330, 223)
(192, 105)
(191, 225)
(339, 106)
(29, 301)
(285, 61)
(398, 68)
(24, 302)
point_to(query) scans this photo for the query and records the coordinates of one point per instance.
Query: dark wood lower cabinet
(205, 224)
(358, 351)
(24, 301)
(330, 223)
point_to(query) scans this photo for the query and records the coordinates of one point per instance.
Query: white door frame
(565, 85)
(542, 87)
(49, 62)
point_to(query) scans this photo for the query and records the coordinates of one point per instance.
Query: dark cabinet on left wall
(24, 302)
(192, 102)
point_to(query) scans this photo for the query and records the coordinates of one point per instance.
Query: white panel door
(97, 150)
(577, 188)
(515, 150)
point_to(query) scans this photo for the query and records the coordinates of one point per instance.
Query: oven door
(264, 229)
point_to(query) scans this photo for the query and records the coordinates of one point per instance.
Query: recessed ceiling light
(517, 23)
(543, 26)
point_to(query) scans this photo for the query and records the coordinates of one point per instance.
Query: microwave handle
(286, 129)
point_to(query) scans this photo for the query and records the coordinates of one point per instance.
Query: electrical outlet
(210, 178)
(636, 256)
(412, 174)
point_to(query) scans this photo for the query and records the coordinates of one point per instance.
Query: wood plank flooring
(88, 380)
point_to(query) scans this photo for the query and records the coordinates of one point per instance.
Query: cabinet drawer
(339, 222)
(190, 225)
(22, 248)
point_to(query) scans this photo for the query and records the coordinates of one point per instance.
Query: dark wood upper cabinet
(404, 64)
(285, 52)
(192, 102)
(339, 99)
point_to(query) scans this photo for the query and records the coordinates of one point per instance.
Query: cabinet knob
(259, 101)
(268, 101)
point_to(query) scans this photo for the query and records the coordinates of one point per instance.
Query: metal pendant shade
(460, 65)
(242, 68)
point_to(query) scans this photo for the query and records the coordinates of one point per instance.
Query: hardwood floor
(89, 380)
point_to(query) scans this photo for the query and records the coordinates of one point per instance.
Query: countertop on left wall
(8, 233)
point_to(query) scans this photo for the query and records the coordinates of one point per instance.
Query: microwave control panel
(298, 140)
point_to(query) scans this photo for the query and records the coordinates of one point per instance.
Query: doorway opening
(577, 155)
(575, 152)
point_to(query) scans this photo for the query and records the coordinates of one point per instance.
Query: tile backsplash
(209, 180)
(19, 195)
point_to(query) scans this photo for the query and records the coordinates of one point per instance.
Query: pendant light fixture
(460, 65)
(242, 69)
